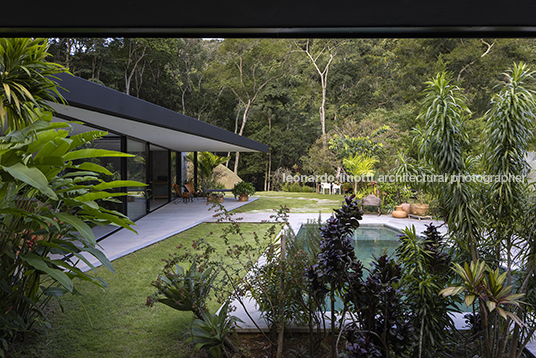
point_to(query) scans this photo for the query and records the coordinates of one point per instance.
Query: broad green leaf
(94, 153)
(79, 225)
(79, 139)
(97, 195)
(118, 184)
(42, 139)
(101, 257)
(49, 161)
(92, 167)
(31, 176)
(118, 220)
(39, 263)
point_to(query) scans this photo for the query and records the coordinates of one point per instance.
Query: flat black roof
(115, 111)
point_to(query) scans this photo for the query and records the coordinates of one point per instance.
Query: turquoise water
(376, 241)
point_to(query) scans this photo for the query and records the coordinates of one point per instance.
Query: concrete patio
(162, 223)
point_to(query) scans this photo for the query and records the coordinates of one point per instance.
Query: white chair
(324, 186)
(335, 188)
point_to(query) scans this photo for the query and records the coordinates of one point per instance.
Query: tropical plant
(380, 313)
(481, 284)
(206, 163)
(492, 213)
(183, 290)
(49, 201)
(360, 166)
(28, 81)
(211, 331)
(243, 188)
(336, 259)
(425, 271)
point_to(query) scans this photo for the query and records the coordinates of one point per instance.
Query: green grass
(119, 324)
(296, 202)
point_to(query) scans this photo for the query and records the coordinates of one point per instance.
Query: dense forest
(297, 95)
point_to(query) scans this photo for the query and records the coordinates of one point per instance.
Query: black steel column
(178, 169)
(123, 171)
(195, 171)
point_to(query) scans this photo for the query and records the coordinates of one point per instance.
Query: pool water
(370, 241)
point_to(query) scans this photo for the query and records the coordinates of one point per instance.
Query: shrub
(243, 188)
(48, 205)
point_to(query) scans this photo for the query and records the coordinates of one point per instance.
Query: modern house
(157, 136)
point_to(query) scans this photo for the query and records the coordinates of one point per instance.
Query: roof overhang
(116, 112)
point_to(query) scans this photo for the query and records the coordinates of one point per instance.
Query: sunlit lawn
(119, 324)
(296, 202)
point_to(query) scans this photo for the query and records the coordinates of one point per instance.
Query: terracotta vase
(419, 209)
(405, 207)
(399, 213)
(243, 197)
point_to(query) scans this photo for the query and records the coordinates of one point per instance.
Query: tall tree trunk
(244, 120)
(323, 82)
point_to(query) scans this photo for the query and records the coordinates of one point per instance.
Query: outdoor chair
(324, 186)
(372, 200)
(193, 193)
(336, 188)
(184, 196)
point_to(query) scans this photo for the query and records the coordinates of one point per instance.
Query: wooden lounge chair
(184, 196)
(190, 189)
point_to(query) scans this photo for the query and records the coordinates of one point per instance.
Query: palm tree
(26, 81)
(359, 165)
(206, 163)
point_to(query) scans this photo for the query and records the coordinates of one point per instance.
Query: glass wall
(137, 170)
(109, 142)
(159, 177)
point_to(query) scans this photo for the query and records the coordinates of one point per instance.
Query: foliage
(206, 163)
(183, 290)
(243, 188)
(393, 194)
(381, 315)
(211, 330)
(297, 188)
(360, 166)
(236, 268)
(28, 81)
(278, 286)
(485, 219)
(352, 146)
(425, 271)
(49, 204)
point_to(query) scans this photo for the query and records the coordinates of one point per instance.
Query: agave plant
(211, 331)
(184, 290)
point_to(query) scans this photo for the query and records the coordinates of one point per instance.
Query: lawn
(119, 323)
(296, 202)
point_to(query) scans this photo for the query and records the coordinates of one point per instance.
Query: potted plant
(242, 190)
(420, 206)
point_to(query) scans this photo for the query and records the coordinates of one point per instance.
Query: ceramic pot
(243, 197)
(419, 209)
(405, 207)
(399, 213)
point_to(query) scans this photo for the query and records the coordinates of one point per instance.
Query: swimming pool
(370, 241)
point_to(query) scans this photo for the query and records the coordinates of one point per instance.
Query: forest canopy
(298, 95)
